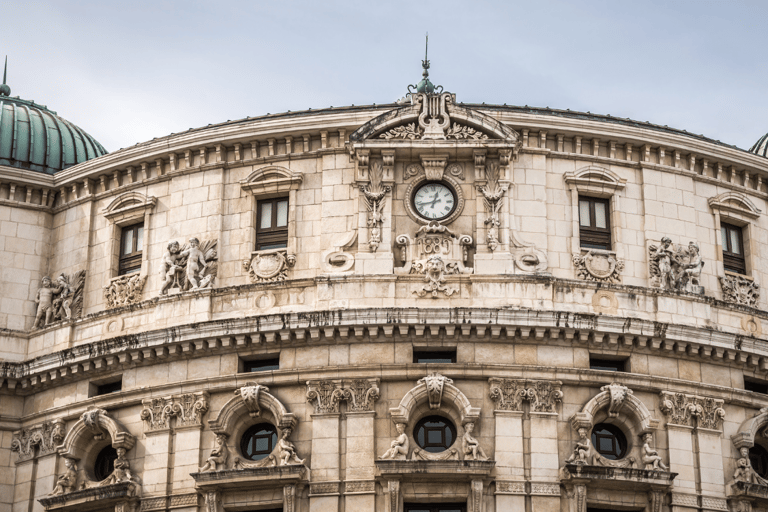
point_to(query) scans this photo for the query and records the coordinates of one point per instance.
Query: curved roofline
(571, 114)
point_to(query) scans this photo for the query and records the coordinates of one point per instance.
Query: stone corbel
(388, 157)
(434, 382)
(250, 395)
(434, 166)
(479, 156)
(362, 160)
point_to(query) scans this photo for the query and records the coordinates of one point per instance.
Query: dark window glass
(594, 223)
(131, 245)
(609, 441)
(434, 356)
(442, 507)
(258, 441)
(758, 386)
(758, 457)
(262, 365)
(733, 248)
(105, 463)
(111, 387)
(434, 434)
(272, 224)
(607, 365)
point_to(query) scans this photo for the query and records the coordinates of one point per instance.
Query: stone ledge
(428, 469)
(605, 476)
(250, 478)
(91, 499)
(747, 490)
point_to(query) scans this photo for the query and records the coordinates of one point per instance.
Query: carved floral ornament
(186, 409)
(692, 410)
(38, 440)
(124, 290)
(327, 395)
(269, 266)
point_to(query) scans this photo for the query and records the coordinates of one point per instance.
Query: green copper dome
(33, 137)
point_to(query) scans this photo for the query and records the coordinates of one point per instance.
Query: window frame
(430, 447)
(732, 261)
(248, 365)
(617, 435)
(434, 354)
(608, 364)
(245, 441)
(274, 237)
(593, 237)
(437, 507)
(128, 263)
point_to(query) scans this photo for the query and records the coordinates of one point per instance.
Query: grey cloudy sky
(130, 71)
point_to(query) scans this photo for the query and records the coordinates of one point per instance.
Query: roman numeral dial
(434, 201)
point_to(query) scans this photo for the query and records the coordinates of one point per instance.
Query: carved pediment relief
(434, 117)
(734, 204)
(129, 206)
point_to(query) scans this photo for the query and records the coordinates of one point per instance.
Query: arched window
(258, 441)
(105, 463)
(434, 434)
(758, 457)
(609, 441)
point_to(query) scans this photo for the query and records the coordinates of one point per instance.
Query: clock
(434, 200)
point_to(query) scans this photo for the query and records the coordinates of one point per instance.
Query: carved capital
(326, 395)
(360, 394)
(157, 413)
(189, 408)
(692, 410)
(38, 440)
(508, 394)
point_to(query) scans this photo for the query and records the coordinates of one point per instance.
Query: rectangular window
(105, 388)
(733, 248)
(756, 385)
(272, 224)
(434, 356)
(594, 223)
(607, 365)
(131, 245)
(442, 507)
(261, 365)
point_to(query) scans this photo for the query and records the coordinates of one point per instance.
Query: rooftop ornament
(425, 85)
(4, 89)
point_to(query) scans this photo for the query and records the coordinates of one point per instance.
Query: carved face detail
(400, 428)
(469, 427)
(173, 247)
(648, 438)
(583, 433)
(120, 452)
(194, 242)
(744, 452)
(435, 264)
(46, 282)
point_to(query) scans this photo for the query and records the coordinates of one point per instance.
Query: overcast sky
(130, 71)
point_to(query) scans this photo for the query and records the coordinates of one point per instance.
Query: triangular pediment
(434, 119)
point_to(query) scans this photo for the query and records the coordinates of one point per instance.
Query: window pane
(139, 238)
(735, 245)
(434, 437)
(600, 220)
(724, 236)
(266, 216)
(128, 241)
(282, 214)
(262, 444)
(584, 213)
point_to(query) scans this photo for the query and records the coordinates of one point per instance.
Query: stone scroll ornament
(509, 394)
(44, 437)
(269, 266)
(191, 267)
(740, 290)
(684, 409)
(676, 268)
(124, 290)
(374, 195)
(600, 266)
(60, 300)
(492, 193)
(250, 395)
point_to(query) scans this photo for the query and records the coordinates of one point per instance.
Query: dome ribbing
(761, 146)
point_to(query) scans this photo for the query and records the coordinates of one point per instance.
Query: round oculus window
(258, 441)
(105, 463)
(609, 441)
(434, 200)
(758, 457)
(434, 434)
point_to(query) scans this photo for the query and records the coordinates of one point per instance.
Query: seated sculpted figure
(170, 266)
(218, 457)
(744, 471)
(66, 483)
(398, 449)
(469, 445)
(582, 453)
(651, 457)
(122, 470)
(286, 451)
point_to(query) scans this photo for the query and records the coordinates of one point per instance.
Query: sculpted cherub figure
(64, 300)
(470, 446)
(744, 471)
(169, 266)
(286, 450)
(398, 449)
(44, 301)
(66, 482)
(582, 453)
(651, 457)
(121, 472)
(195, 262)
(219, 455)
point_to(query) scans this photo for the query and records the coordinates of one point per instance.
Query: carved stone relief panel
(124, 290)
(508, 394)
(675, 267)
(187, 409)
(740, 290)
(189, 267)
(692, 410)
(360, 394)
(269, 266)
(600, 266)
(59, 300)
(38, 440)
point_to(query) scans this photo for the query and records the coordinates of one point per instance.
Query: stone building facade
(425, 305)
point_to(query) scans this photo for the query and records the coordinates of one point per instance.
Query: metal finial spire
(425, 62)
(425, 86)
(4, 89)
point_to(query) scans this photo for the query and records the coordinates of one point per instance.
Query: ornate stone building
(419, 306)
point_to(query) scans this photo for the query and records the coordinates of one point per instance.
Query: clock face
(434, 201)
